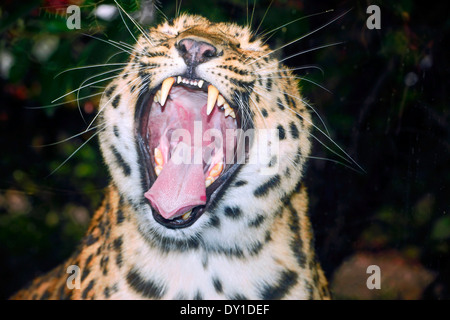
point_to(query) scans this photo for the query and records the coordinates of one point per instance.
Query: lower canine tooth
(159, 157)
(216, 170)
(208, 181)
(233, 115)
(186, 215)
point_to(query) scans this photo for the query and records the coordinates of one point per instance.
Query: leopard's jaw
(252, 236)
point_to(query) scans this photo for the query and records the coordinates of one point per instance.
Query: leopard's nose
(196, 52)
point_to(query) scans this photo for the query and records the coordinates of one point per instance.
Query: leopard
(170, 227)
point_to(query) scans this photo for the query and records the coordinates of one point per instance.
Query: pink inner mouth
(185, 156)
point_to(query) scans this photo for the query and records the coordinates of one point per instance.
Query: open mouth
(186, 133)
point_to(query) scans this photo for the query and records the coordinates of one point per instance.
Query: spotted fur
(254, 242)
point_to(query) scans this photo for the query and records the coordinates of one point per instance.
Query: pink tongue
(178, 188)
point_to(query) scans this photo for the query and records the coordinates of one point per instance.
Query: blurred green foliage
(388, 108)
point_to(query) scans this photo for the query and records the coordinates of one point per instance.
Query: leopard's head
(205, 133)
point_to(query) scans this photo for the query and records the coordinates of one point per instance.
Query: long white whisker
(70, 138)
(107, 102)
(63, 103)
(91, 66)
(300, 78)
(303, 52)
(73, 153)
(108, 42)
(293, 21)
(265, 13)
(129, 31)
(89, 84)
(293, 69)
(307, 104)
(136, 24)
(302, 37)
(328, 137)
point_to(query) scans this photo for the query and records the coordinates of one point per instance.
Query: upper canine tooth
(165, 89)
(213, 93)
(200, 83)
(157, 97)
(220, 100)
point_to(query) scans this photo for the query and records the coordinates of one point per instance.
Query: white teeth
(186, 215)
(209, 181)
(228, 111)
(158, 170)
(213, 93)
(165, 89)
(220, 100)
(159, 160)
(157, 97)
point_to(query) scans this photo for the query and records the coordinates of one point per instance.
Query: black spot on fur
(269, 84)
(106, 292)
(281, 132)
(45, 295)
(87, 289)
(125, 167)
(233, 212)
(280, 104)
(120, 216)
(198, 295)
(90, 240)
(255, 223)
(264, 113)
(238, 296)
(217, 285)
(117, 243)
(281, 288)
(110, 90)
(264, 189)
(296, 243)
(116, 131)
(240, 183)
(104, 264)
(214, 221)
(294, 130)
(146, 287)
(116, 101)
(86, 271)
(256, 248)
(119, 260)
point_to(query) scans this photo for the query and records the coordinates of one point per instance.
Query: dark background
(388, 108)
